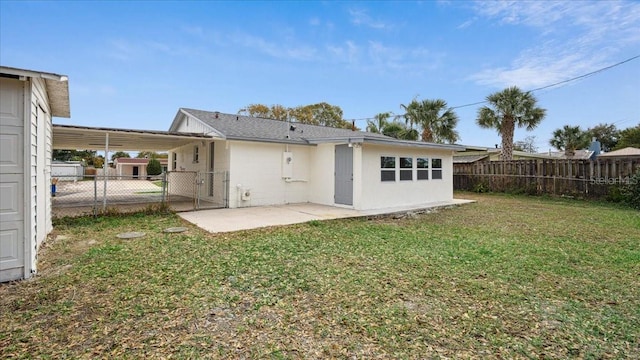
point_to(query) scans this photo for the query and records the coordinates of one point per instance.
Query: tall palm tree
(437, 122)
(569, 138)
(510, 107)
(378, 123)
(399, 130)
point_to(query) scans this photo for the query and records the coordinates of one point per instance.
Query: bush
(631, 191)
(154, 167)
(481, 188)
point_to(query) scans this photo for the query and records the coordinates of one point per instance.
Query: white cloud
(276, 50)
(361, 17)
(576, 38)
(125, 50)
(381, 58)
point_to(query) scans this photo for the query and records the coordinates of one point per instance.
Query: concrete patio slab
(227, 220)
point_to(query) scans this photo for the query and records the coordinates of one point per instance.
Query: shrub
(154, 167)
(631, 191)
(481, 188)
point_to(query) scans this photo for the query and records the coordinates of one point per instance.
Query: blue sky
(133, 64)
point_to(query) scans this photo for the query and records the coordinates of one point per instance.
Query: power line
(540, 88)
(564, 81)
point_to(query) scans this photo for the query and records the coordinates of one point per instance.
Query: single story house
(628, 152)
(583, 154)
(28, 100)
(268, 162)
(134, 168)
(472, 154)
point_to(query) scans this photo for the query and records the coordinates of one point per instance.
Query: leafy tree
(399, 130)
(154, 167)
(151, 155)
(74, 155)
(569, 138)
(378, 123)
(323, 114)
(97, 161)
(606, 134)
(510, 108)
(437, 121)
(629, 137)
(120, 154)
(528, 144)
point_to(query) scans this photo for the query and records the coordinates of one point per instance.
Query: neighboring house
(472, 154)
(628, 152)
(271, 162)
(134, 168)
(28, 100)
(575, 155)
(67, 170)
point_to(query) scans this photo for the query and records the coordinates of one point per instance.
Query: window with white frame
(422, 166)
(387, 168)
(436, 169)
(406, 168)
(174, 161)
(196, 154)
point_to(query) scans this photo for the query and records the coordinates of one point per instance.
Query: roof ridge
(270, 119)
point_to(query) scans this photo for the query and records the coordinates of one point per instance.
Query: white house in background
(67, 170)
(28, 100)
(134, 168)
(272, 162)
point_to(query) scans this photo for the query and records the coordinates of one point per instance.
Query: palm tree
(569, 139)
(437, 122)
(378, 123)
(510, 107)
(399, 130)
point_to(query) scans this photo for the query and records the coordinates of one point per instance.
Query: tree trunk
(427, 135)
(508, 127)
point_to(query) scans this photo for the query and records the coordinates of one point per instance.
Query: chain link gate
(194, 190)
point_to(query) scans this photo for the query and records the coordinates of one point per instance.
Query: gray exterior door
(343, 175)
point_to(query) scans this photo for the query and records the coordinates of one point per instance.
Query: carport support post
(104, 171)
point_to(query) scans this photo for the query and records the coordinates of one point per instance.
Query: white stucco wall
(258, 167)
(321, 183)
(376, 194)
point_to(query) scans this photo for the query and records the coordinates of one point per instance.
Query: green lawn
(506, 277)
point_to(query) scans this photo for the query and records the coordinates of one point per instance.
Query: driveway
(226, 220)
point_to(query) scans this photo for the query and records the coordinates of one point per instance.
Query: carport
(113, 139)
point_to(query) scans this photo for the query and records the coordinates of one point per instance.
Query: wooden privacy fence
(585, 178)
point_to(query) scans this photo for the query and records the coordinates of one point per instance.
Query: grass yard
(506, 277)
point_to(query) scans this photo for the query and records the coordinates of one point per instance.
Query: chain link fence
(177, 191)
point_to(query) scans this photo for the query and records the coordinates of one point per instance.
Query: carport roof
(94, 138)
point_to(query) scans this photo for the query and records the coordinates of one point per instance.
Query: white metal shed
(28, 100)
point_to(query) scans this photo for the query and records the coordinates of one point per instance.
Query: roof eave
(57, 88)
(360, 138)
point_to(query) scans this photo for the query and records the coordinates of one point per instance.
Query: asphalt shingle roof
(628, 151)
(248, 127)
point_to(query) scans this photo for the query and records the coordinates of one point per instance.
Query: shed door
(136, 172)
(12, 239)
(344, 175)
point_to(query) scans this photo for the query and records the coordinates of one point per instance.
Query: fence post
(164, 187)
(95, 195)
